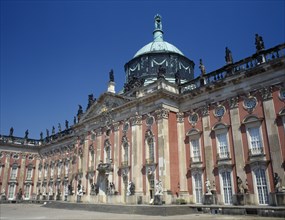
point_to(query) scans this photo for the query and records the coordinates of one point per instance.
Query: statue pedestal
(277, 199)
(238, 199)
(209, 199)
(157, 200)
(3, 197)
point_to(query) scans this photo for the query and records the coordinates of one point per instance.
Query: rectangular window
(227, 187)
(11, 191)
(29, 174)
(13, 173)
(195, 150)
(222, 145)
(261, 185)
(198, 187)
(255, 140)
(27, 191)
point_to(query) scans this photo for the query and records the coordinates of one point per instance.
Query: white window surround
(195, 149)
(261, 188)
(11, 191)
(13, 174)
(227, 190)
(29, 173)
(197, 189)
(195, 144)
(27, 192)
(222, 140)
(254, 135)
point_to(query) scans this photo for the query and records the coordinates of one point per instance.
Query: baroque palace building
(215, 139)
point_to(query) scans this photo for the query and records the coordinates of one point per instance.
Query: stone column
(207, 143)
(272, 131)
(181, 153)
(136, 166)
(237, 140)
(163, 151)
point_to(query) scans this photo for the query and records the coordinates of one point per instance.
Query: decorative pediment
(105, 103)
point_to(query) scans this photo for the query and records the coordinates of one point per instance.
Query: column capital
(162, 113)
(266, 93)
(180, 117)
(136, 120)
(205, 110)
(116, 126)
(233, 102)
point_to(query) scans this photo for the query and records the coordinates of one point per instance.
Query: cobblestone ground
(37, 211)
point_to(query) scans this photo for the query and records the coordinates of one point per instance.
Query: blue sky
(55, 53)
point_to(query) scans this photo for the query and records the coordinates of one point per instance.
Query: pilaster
(181, 152)
(207, 143)
(237, 139)
(163, 148)
(136, 177)
(272, 132)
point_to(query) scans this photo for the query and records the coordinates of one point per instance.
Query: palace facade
(215, 139)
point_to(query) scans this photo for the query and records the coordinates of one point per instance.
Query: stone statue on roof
(11, 131)
(66, 124)
(27, 134)
(202, 68)
(259, 43)
(80, 111)
(228, 57)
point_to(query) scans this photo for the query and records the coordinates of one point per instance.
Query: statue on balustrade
(259, 43)
(41, 136)
(80, 111)
(228, 57)
(202, 68)
(11, 131)
(66, 124)
(27, 134)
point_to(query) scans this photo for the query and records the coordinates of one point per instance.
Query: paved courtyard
(38, 211)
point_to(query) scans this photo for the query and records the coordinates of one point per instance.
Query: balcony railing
(243, 66)
(255, 152)
(223, 156)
